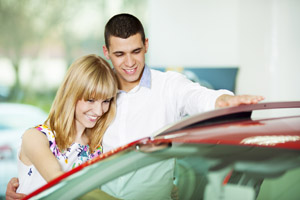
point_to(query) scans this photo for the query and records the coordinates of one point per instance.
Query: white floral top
(76, 154)
(30, 179)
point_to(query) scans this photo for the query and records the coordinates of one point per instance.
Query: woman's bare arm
(35, 150)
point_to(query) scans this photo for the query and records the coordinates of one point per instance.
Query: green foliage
(43, 29)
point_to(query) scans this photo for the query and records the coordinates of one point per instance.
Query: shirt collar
(145, 80)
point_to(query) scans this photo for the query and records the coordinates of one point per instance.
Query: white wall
(193, 32)
(270, 48)
(262, 37)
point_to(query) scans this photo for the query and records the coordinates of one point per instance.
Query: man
(147, 101)
(149, 98)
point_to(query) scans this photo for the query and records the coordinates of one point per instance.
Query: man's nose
(129, 60)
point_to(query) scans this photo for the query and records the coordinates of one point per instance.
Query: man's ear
(105, 52)
(146, 45)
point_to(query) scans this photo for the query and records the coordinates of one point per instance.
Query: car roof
(226, 114)
(274, 133)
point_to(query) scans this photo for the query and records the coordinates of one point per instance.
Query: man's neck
(127, 86)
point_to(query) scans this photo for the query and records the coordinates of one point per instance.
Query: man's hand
(11, 189)
(229, 100)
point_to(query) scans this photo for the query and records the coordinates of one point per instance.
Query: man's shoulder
(164, 74)
(166, 80)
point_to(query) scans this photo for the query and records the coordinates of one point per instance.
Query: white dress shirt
(160, 99)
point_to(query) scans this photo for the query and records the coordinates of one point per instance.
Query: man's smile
(130, 71)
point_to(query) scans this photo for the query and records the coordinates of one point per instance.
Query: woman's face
(87, 113)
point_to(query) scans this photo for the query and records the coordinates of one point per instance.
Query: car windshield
(261, 172)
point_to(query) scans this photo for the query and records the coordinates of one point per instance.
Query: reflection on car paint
(270, 140)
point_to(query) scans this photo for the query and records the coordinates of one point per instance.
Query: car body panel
(269, 133)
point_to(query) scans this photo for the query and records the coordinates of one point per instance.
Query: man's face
(128, 58)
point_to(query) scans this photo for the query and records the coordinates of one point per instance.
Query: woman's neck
(82, 138)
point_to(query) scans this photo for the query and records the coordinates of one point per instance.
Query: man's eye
(119, 54)
(137, 51)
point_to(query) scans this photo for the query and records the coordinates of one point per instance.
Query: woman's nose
(98, 109)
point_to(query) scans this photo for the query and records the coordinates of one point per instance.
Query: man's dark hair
(123, 26)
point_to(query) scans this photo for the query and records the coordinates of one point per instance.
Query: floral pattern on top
(74, 155)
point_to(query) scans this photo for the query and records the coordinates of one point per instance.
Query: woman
(83, 108)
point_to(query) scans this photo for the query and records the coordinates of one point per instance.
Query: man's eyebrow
(137, 49)
(122, 52)
(118, 52)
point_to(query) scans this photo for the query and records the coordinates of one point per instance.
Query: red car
(229, 153)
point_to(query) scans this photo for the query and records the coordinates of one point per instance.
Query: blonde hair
(89, 77)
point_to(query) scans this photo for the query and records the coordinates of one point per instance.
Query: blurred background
(247, 46)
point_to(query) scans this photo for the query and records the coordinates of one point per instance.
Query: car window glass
(200, 172)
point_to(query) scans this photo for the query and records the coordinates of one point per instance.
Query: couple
(83, 118)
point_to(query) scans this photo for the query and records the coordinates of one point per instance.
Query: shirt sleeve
(191, 98)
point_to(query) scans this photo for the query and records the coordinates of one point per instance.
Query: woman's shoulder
(33, 135)
(44, 129)
(37, 130)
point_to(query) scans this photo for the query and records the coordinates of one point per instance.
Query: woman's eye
(107, 101)
(91, 100)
